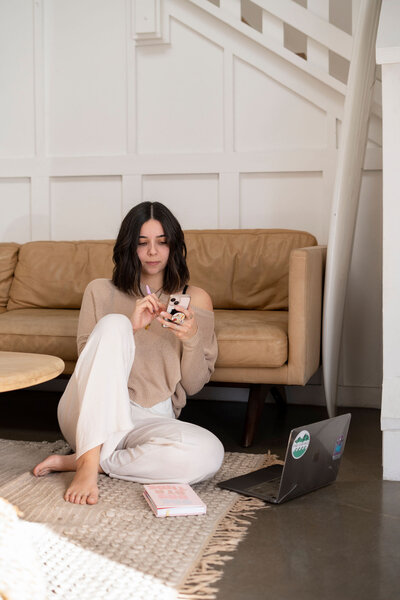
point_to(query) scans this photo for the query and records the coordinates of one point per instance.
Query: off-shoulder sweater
(164, 366)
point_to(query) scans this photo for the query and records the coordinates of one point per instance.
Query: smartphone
(175, 300)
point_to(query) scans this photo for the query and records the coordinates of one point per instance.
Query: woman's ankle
(89, 458)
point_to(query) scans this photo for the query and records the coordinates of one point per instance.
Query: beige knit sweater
(164, 367)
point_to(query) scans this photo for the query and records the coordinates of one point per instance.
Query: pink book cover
(173, 499)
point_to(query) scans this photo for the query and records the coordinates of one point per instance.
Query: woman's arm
(199, 345)
(199, 355)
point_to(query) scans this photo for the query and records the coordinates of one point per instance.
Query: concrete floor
(342, 541)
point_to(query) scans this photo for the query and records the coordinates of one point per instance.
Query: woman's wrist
(192, 341)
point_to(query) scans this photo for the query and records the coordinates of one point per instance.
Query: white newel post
(388, 55)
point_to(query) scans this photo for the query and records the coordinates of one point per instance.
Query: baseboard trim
(351, 396)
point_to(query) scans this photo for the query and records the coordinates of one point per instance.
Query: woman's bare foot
(83, 488)
(55, 462)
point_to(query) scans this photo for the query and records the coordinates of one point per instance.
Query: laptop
(312, 461)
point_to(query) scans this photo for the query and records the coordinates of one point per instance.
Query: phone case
(175, 300)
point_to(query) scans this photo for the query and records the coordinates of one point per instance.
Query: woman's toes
(40, 470)
(92, 498)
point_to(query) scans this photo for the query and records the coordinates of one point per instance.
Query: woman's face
(152, 249)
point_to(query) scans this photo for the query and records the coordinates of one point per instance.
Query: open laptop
(312, 461)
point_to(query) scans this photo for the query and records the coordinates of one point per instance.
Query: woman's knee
(113, 326)
(114, 322)
(112, 337)
(206, 455)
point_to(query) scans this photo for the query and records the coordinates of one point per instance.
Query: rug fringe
(228, 534)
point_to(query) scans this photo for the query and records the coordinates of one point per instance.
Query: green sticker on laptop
(300, 444)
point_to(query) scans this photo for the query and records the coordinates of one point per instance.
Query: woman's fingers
(186, 311)
(184, 330)
(151, 303)
(189, 314)
(146, 309)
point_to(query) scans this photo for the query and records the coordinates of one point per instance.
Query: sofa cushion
(8, 260)
(55, 274)
(245, 338)
(251, 338)
(244, 268)
(40, 330)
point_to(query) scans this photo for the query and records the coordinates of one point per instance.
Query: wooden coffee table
(20, 369)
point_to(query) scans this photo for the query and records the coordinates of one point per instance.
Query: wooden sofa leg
(258, 393)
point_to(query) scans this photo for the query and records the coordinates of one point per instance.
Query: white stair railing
(321, 35)
(274, 16)
(271, 21)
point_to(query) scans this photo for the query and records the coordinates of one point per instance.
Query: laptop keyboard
(266, 488)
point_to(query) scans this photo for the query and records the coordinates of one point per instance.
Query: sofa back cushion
(55, 274)
(8, 260)
(243, 268)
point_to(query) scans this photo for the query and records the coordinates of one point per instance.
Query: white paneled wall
(270, 200)
(85, 207)
(102, 106)
(277, 108)
(85, 80)
(200, 212)
(180, 94)
(17, 124)
(362, 321)
(15, 209)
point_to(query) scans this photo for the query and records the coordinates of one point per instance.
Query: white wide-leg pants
(136, 444)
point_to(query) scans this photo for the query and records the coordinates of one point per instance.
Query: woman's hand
(186, 330)
(146, 310)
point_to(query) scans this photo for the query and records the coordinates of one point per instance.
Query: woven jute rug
(116, 549)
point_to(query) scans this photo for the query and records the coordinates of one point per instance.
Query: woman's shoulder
(199, 298)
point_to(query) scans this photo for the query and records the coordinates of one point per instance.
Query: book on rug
(173, 500)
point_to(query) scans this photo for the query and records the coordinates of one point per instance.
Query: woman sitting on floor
(119, 410)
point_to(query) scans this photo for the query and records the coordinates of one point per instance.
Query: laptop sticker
(337, 453)
(300, 444)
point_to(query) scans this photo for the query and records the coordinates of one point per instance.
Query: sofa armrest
(306, 274)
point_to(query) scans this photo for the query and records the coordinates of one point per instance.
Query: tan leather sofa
(266, 287)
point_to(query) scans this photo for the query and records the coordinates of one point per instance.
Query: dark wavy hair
(127, 266)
